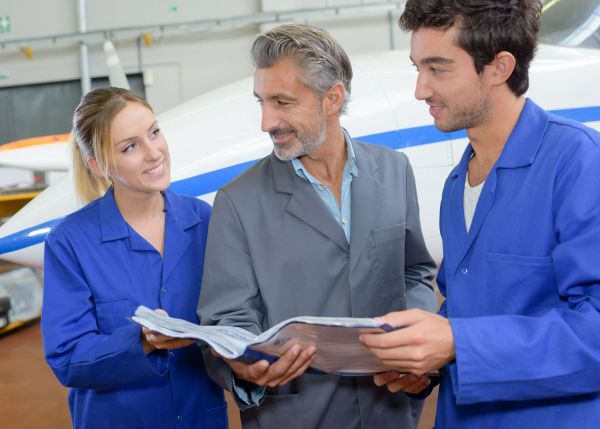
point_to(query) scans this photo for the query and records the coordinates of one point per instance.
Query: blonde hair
(92, 123)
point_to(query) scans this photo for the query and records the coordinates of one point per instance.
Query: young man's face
(292, 113)
(447, 81)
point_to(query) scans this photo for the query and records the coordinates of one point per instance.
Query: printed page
(338, 348)
(229, 341)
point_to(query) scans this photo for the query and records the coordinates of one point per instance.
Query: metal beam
(266, 17)
(84, 58)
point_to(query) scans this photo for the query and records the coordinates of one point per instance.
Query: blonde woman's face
(141, 156)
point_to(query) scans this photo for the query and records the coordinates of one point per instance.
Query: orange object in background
(34, 141)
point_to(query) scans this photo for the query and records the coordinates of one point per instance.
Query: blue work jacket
(97, 270)
(522, 287)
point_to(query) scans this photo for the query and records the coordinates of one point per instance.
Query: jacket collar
(184, 216)
(179, 218)
(523, 143)
(114, 227)
(284, 174)
(306, 205)
(112, 224)
(520, 150)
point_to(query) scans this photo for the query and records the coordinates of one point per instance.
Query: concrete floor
(31, 398)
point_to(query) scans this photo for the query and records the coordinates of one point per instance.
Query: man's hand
(402, 382)
(423, 343)
(291, 365)
(153, 340)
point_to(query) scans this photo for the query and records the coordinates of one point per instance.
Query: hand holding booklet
(336, 339)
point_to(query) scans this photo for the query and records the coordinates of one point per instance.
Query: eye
(156, 132)
(259, 101)
(283, 103)
(128, 148)
(415, 66)
(435, 70)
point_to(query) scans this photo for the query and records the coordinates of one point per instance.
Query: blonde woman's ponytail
(87, 186)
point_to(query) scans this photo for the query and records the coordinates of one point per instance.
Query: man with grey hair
(324, 226)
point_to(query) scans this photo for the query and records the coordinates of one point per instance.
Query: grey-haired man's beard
(304, 143)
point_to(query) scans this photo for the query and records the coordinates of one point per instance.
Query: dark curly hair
(484, 28)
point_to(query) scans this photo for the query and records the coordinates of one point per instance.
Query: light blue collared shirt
(341, 214)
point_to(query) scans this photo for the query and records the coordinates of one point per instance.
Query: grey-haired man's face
(292, 113)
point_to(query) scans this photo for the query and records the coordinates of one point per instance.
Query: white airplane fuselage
(216, 136)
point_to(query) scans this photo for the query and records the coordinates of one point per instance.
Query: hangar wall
(180, 62)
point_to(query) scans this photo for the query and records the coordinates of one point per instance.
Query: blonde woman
(135, 243)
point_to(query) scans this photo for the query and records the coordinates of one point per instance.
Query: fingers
(404, 335)
(246, 371)
(418, 386)
(387, 340)
(257, 371)
(282, 368)
(387, 377)
(289, 366)
(153, 340)
(399, 319)
(398, 382)
(399, 353)
(300, 366)
(163, 342)
(177, 343)
(411, 383)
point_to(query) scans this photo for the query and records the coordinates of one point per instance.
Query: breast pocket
(388, 246)
(520, 283)
(113, 313)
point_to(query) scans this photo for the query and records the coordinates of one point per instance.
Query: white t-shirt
(471, 197)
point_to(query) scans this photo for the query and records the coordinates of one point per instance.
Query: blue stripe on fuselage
(210, 182)
(27, 237)
(398, 139)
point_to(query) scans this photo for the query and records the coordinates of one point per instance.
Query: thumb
(161, 311)
(401, 319)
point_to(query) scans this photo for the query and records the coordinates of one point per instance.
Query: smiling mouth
(280, 138)
(435, 110)
(156, 170)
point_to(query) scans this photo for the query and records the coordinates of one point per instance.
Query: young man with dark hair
(517, 337)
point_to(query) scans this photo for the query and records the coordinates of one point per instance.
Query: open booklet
(336, 339)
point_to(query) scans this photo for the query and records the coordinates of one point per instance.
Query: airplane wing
(45, 153)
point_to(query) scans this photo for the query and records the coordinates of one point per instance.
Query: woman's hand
(152, 340)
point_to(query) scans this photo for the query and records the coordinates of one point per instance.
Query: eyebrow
(434, 60)
(275, 96)
(154, 125)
